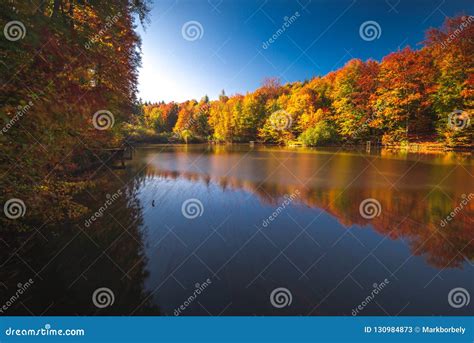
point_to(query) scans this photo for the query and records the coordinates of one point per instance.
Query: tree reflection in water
(146, 254)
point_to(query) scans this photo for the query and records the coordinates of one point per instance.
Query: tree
(453, 60)
(78, 58)
(322, 134)
(354, 88)
(403, 104)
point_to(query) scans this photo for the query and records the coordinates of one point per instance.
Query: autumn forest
(423, 95)
(79, 59)
(129, 172)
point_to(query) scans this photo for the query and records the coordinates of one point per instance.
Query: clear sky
(228, 53)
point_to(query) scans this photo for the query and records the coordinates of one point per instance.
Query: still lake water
(318, 246)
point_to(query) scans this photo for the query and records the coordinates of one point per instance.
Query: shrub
(322, 133)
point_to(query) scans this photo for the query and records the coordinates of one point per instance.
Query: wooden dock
(122, 153)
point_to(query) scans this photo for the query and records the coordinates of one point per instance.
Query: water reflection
(69, 261)
(318, 246)
(399, 219)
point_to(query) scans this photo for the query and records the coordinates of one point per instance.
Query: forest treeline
(61, 62)
(411, 95)
(64, 61)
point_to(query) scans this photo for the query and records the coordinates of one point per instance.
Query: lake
(240, 230)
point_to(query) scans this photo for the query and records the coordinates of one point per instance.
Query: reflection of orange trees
(408, 214)
(77, 260)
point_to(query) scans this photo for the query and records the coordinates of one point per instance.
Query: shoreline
(423, 147)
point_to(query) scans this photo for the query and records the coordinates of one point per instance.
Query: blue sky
(228, 52)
